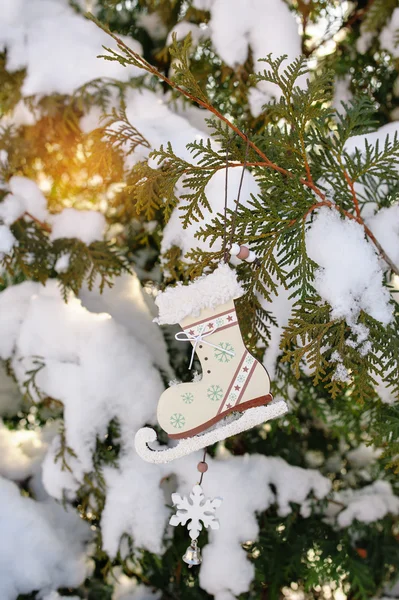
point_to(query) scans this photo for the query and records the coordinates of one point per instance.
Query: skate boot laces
(197, 339)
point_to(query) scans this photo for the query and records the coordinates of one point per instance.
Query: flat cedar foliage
(296, 151)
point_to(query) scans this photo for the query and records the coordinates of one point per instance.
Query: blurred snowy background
(78, 378)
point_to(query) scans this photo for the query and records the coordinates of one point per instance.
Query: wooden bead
(243, 253)
(202, 467)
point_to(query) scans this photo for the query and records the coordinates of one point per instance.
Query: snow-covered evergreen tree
(112, 187)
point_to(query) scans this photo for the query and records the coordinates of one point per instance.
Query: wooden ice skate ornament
(233, 384)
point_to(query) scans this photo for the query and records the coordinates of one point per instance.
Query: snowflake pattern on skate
(221, 353)
(195, 509)
(187, 398)
(177, 420)
(215, 392)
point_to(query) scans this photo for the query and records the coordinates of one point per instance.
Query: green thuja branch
(30, 387)
(91, 494)
(127, 56)
(180, 53)
(386, 434)
(64, 451)
(295, 105)
(96, 263)
(35, 257)
(153, 189)
(121, 133)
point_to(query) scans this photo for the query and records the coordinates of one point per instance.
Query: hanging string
(226, 187)
(233, 221)
(227, 245)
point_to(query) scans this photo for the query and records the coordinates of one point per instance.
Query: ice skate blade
(249, 419)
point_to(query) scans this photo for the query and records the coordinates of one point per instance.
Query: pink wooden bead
(243, 253)
(202, 467)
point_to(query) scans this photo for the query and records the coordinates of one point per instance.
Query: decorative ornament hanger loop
(197, 339)
(228, 245)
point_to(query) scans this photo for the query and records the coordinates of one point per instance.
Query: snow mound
(7, 240)
(24, 197)
(385, 226)
(49, 39)
(368, 504)
(85, 225)
(350, 278)
(47, 540)
(265, 27)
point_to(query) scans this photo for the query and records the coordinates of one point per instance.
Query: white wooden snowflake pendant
(199, 509)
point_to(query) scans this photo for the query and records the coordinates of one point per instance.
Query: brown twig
(381, 250)
(231, 165)
(308, 172)
(341, 504)
(314, 207)
(353, 192)
(44, 226)
(283, 171)
(351, 186)
(151, 69)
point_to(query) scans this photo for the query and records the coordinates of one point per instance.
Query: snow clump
(349, 277)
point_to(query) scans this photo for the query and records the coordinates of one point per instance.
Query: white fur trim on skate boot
(251, 418)
(208, 291)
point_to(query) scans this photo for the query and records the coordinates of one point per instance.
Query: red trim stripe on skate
(226, 312)
(232, 381)
(247, 381)
(215, 329)
(225, 327)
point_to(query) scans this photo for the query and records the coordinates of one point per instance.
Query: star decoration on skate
(196, 510)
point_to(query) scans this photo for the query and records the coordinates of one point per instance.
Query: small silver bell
(192, 555)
